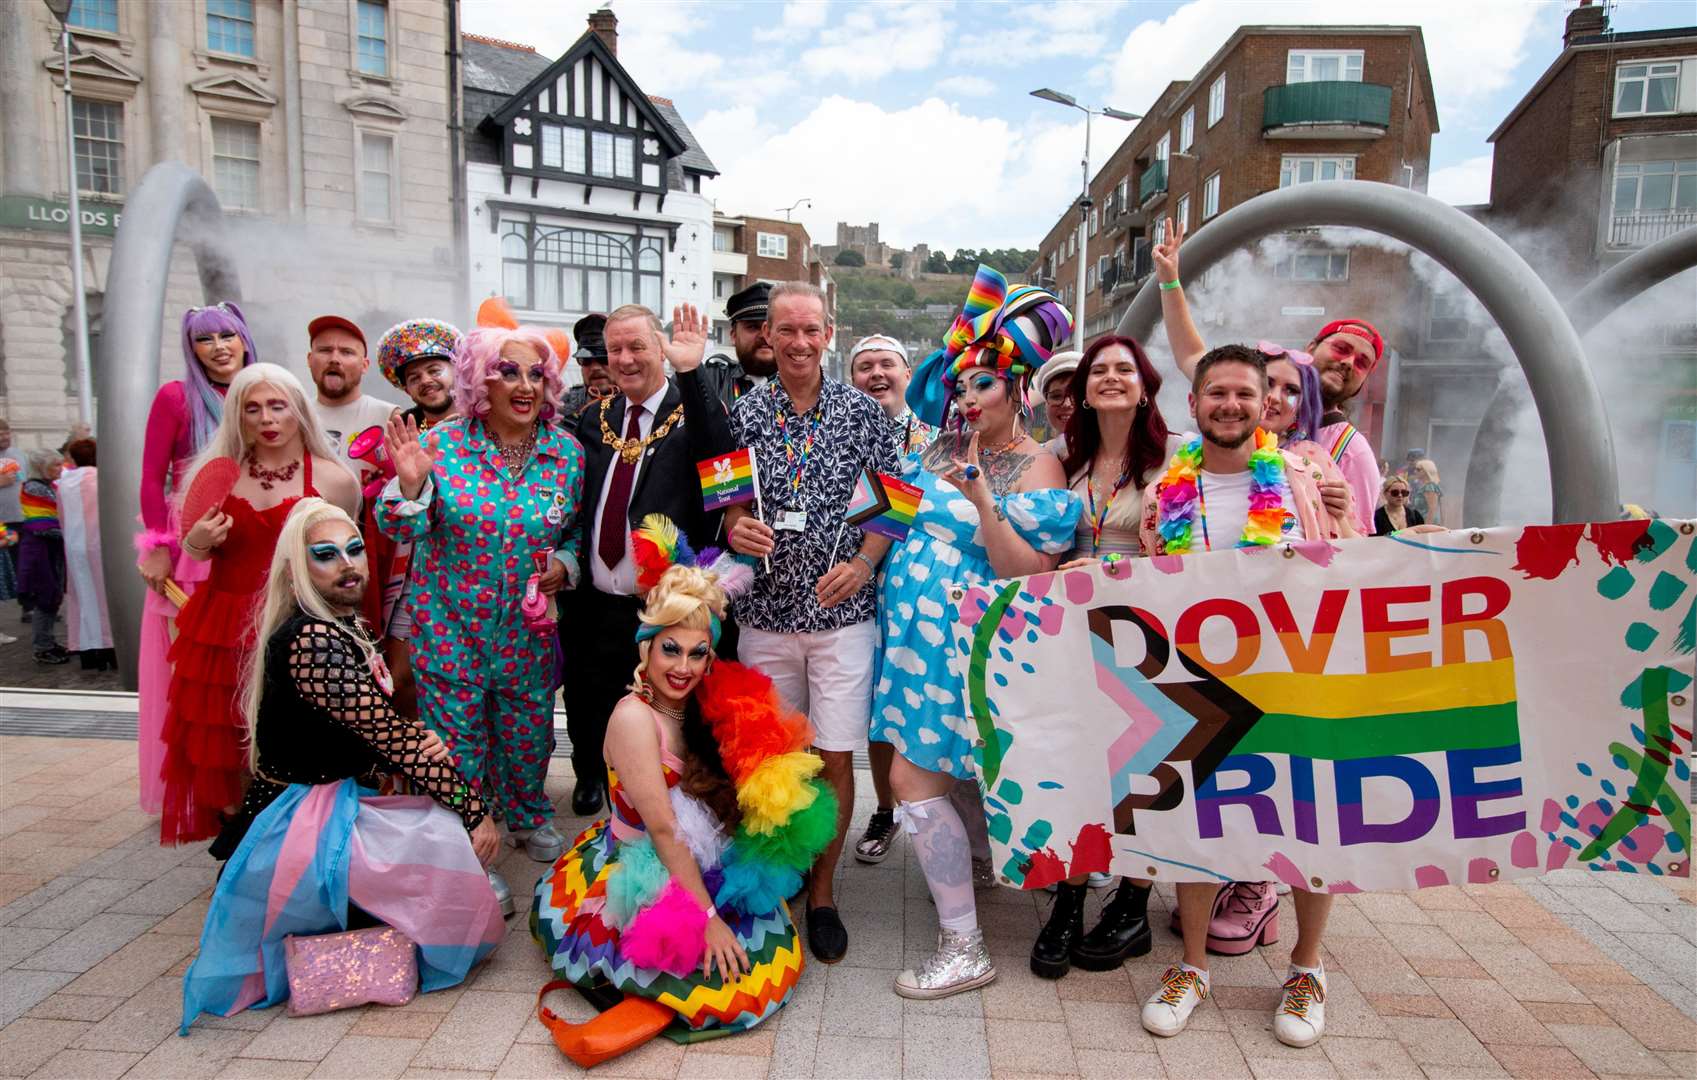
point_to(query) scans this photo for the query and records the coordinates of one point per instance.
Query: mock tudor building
(583, 191)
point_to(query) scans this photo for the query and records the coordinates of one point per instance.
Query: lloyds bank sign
(54, 215)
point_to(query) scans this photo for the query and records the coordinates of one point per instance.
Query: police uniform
(590, 333)
(723, 372)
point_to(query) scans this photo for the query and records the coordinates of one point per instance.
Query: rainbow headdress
(1012, 329)
(657, 545)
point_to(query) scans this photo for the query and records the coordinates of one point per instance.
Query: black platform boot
(1051, 955)
(1123, 931)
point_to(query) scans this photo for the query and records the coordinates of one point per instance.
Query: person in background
(878, 367)
(88, 626)
(336, 358)
(729, 378)
(1425, 494)
(1054, 386)
(590, 333)
(1396, 514)
(11, 516)
(311, 850)
(41, 554)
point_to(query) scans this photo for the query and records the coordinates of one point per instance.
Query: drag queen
(995, 505)
(268, 429)
(489, 500)
(185, 412)
(674, 906)
(315, 847)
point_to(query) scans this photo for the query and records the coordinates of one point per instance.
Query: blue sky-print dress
(918, 699)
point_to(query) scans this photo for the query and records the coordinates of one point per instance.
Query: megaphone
(367, 448)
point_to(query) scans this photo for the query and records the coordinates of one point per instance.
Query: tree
(850, 257)
(938, 263)
(897, 259)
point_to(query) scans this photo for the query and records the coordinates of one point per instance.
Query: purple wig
(206, 404)
(477, 363)
(1308, 414)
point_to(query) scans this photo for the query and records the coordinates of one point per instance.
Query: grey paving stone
(90, 944)
(91, 897)
(20, 991)
(168, 892)
(1611, 911)
(20, 942)
(28, 902)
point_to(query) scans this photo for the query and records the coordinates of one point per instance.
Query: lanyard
(1202, 512)
(1097, 517)
(796, 458)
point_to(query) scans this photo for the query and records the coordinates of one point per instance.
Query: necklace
(1182, 507)
(662, 708)
(269, 478)
(517, 456)
(1018, 437)
(630, 450)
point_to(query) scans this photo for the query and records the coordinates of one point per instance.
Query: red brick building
(747, 249)
(1275, 106)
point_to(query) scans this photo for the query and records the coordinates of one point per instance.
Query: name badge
(790, 521)
(556, 512)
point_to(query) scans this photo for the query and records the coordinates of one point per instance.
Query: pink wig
(477, 363)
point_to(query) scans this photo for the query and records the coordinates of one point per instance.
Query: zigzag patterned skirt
(566, 920)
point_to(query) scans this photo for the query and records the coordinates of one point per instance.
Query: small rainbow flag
(38, 507)
(728, 480)
(884, 504)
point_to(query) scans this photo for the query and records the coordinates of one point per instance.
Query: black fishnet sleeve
(330, 674)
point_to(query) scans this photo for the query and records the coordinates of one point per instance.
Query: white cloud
(966, 86)
(652, 36)
(800, 18)
(874, 41)
(1464, 183)
(1472, 48)
(1069, 28)
(998, 186)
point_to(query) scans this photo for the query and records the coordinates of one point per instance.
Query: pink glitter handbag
(378, 965)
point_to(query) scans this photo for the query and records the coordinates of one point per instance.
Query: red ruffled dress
(205, 762)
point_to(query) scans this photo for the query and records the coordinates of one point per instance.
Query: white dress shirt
(621, 579)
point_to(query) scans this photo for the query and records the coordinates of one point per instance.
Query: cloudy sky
(851, 103)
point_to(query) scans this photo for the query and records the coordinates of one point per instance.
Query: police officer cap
(749, 305)
(590, 334)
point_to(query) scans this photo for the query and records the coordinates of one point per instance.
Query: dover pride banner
(1385, 713)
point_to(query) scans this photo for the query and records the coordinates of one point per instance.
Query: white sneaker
(1166, 1013)
(1102, 880)
(1300, 1019)
(7, 639)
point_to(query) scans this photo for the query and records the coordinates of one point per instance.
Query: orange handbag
(622, 1028)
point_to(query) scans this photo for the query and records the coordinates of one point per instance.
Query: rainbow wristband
(1169, 286)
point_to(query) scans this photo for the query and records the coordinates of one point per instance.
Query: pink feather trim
(668, 935)
(150, 540)
(735, 576)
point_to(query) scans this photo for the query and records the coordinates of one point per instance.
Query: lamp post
(1084, 195)
(61, 10)
(795, 204)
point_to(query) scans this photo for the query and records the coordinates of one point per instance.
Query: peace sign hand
(688, 343)
(1165, 253)
(412, 459)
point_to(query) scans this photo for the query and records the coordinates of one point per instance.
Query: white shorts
(826, 674)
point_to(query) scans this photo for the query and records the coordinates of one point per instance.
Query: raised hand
(1165, 253)
(411, 458)
(688, 343)
(966, 476)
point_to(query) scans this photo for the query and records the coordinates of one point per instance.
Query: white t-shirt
(342, 422)
(1225, 506)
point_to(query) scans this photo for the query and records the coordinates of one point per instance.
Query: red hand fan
(211, 486)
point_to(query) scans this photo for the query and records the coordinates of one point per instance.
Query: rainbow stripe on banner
(884, 504)
(728, 480)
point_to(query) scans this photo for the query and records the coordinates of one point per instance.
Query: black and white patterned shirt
(850, 433)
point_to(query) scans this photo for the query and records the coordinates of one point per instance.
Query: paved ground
(1572, 975)
(18, 666)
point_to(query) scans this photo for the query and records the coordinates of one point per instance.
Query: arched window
(572, 271)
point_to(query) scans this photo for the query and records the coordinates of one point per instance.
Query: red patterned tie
(614, 526)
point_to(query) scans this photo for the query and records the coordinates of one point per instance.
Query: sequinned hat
(412, 340)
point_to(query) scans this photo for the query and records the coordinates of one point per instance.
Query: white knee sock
(945, 855)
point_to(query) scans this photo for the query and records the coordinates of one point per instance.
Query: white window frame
(772, 245)
(388, 40)
(361, 183)
(1164, 146)
(121, 154)
(117, 22)
(729, 236)
(1677, 169)
(1290, 166)
(1093, 213)
(1286, 268)
(1089, 277)
(1181, 212)
(1456, 310)
(1653, 70)
(1304, 58)
(207, 15)
(1210, 196)
(258, 163)
(1187, 129)
(1217, 101)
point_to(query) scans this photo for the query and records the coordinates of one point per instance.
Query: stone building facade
(322, 125)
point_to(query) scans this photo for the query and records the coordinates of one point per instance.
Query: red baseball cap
(1360, 328)
(334, 322)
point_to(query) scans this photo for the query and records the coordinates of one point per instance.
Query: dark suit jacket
(668, 482)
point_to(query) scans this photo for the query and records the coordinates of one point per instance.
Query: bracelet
(193, 549)
(712, 910)
(861, 555)
(1169, 286)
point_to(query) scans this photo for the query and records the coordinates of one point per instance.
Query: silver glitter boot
(961, 962)
(503, 895)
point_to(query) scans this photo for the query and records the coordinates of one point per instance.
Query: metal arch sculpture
(1582, 466)
(168, 196)
(1638, 272)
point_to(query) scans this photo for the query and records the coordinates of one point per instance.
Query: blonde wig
(685, 596)
(227, 441)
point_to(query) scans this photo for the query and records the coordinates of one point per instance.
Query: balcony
(1325, 110)
(1645, 227)
(1152, 183)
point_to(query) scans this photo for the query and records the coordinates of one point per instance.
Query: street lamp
(1084, 197)
(795, 204)
(61, 10)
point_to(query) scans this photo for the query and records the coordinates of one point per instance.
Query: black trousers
(598, 642)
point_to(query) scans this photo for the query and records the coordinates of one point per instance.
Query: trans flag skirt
(402, 859)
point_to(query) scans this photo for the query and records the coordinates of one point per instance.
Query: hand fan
(211, 486)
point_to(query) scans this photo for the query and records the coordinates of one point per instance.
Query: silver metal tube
(1638, 272)
(134, 319)
(1083, 237)
(79, 304)
(1582, 462)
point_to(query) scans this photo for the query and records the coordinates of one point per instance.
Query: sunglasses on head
(1279, 352)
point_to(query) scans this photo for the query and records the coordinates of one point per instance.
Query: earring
(1089, 406)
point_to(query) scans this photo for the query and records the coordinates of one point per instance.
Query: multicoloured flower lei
(1181, 506)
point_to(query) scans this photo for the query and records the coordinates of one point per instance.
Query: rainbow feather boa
(1178, 496)
(789, 817)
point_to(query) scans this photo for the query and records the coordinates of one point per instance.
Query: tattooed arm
(1027, 468)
